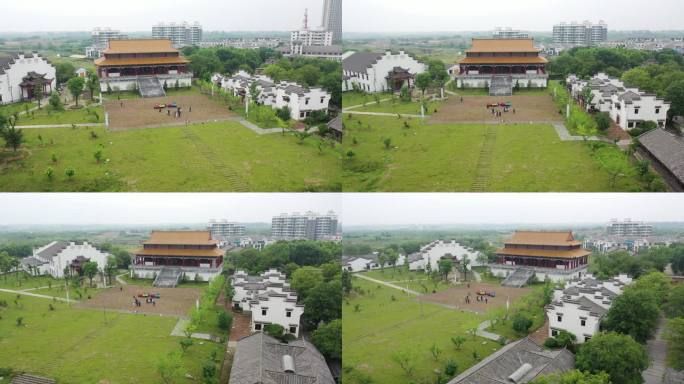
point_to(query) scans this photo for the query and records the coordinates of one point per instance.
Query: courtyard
(455, 297)
(172, 301)
(141, 113)
(528, 108)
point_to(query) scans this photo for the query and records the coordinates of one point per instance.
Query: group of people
(498, 112)
(177, 113)
(479, 298)
(148, 300)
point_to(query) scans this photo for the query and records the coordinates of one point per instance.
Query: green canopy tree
(90, 269)
(634, 313)
(423, 81)
(328, 339)
(622, 358)
(75, 86)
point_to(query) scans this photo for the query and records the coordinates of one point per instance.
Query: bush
(450, 368)
(224, 320)
(284, 113)
(522, 324)
(551, 343)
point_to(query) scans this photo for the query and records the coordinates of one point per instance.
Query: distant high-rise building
(311, 226)
(580, 34)
(100, 40)
(332, 19)
(629, 228)
(181, 35)
(509, 33)
(224, 228)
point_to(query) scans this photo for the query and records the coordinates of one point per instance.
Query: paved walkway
(363, 105)
(258, 130)
(564, 135)
(487, 335)
(23, 293)
(410, 292)
(61, 125)
(120, 280)
(383, 114)
(657, 352)
(182, 324)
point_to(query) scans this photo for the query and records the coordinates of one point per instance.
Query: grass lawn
(486, 276)
(412, 280)
(9, 109)
(532, 308)
(26, 281)
(444, 157)
(409, 108)
(165, 159)
(77, 346)
(68, 116)
(350, 99)
(59, 291)
(383, 328)
(150, 282)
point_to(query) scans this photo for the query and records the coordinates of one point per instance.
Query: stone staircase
(167, 278)
(150, 86)
(519, 278)
(484, 162)
(501, 86)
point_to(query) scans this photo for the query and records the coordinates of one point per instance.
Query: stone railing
(537, 269)
(517, 76)
(156, 268)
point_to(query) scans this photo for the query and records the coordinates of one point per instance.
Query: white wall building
(269, 299)
(100, 40)
(509, 33)
(15, 67)
(627, 106)
(433, 252)
(181, 35)
(368, 71)
(580, 306)
(301, 101)
(580, 34)
(628, 227)
(53, 258)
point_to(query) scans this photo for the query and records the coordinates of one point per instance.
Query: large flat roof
(502, 45)
(556, 238)
(181, 238)
(140, 46)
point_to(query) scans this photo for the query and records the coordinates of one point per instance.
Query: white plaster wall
(276, 313)
(9, 82)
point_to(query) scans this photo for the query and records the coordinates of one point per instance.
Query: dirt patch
(140, 113)
(615, 132)
(474, 109)
(456, 297)
(173, 301)
(541, 334)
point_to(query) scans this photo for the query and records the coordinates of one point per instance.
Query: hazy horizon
(138, 16)
(529, 15)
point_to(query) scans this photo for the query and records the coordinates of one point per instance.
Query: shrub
(551, 343)
(522, 324)
(450, 368)
(224, 320)
(284, 113)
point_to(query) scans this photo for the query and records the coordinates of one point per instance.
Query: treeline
(326, 74)
(316, 275)
(660, 72)
(649, 260)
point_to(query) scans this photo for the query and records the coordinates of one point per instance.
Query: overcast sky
(534, 15)
(535, 208)
(156, 208)
(140, 15)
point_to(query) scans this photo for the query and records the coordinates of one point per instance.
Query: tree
(110, 268)
(304, 279)
(98, 155)
(5, 263)
(70, 172)
(224, 320)
(458, 341)
(674, 335)
(324, 303)
(405, 94)
(284, 113)
(38, 94)
(422, 81)
(634, 313)
(622, 358)
(65, 71)
(382, 260)
(274, 330)
(185, 343)
(169, 367)
(574, 377)
(13, 136)
(90, 269)
(92, 84)
(346, 281)
(405, 361)
(445, 266)
(655, 282)
(465, 261)
(603, 121)
(55, 102)
(388, 143)
(522, 324)
(328, 339)
(675, 302)
(75, 86)
(435, 351)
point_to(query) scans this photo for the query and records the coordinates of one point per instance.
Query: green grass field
(68, 116)
(77, 346)
(10, 281)
(164, 159)
(412, 280)
(525, 158)
(383, 327)
(408, 108)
